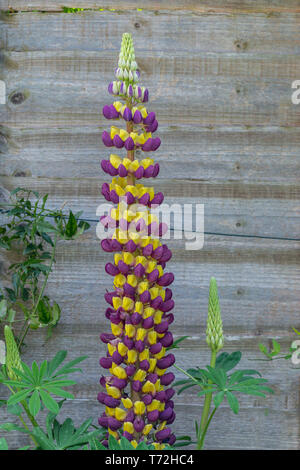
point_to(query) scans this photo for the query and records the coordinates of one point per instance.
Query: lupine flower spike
(138, 402)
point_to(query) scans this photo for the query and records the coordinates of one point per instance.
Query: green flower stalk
(215, 340)
(138, 404)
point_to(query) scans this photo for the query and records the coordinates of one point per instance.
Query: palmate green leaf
(218, 398)
(58, 383)
(43, 370)
(182, 441)
(35, 403)
(81, 439)
(69, 367)
(176, 343)
(125, 444)
(3, 444)
(196, 373)
(60, 392)
(19, 396)
(233, 402)
(113, 443)
(143, 446)
(49, 402)
(228, 361)
(192, 384)
(56, 362)
(182, 382)
(95, 445)
(13, 427)
(66, 432)
(35, 372)
(14, 410)
(43, 441)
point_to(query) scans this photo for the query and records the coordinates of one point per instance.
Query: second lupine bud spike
(12, 360)
(214, 331)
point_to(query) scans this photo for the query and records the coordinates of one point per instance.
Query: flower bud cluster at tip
(138, 402)
(127, 74)
(214, 331)
(12, 358)
(127, 69)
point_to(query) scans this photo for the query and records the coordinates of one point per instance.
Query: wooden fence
(220, 76)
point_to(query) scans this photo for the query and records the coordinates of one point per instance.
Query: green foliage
(176, 343)
(123, 444)
(274, 351)
(3, 444)
(223, 384)
(33, 231)
(37, 385)
(64, 436)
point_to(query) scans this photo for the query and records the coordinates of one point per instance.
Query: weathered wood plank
(258, 283)
(206, 6)
(53, 102)
(231, 208)
(170, 31)
(256, 156)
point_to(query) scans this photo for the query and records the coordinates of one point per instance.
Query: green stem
(207, 401)
(41, 292)
(29, 415)
(202, 437)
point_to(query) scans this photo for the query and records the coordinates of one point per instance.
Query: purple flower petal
(166, 379)
(122, 171)
(129, 143)
(139, 173)
(127, 115)
(150, 118)
(137, 117)
(106, 139)
(118, 142)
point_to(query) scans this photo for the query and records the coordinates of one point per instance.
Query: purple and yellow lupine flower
(137, 397)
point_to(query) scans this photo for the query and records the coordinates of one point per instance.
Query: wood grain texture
(220, 75)
(205, 6)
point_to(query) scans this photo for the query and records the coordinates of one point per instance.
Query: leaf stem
(29, 415)
(202, 437)
(206, 408)
(41, 291)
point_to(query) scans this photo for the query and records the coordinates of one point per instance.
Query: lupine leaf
(56, 361)
(49, 402)
(35, 403)
(3, 444)
(228, 361)
(218, 398)
(113, 443)
(13, 427)
(19, 396)
(233, 402)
